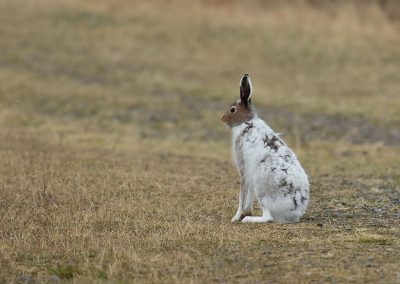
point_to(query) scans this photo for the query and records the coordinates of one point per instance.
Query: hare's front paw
(239, 216)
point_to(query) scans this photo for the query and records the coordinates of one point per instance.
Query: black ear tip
(244, 79)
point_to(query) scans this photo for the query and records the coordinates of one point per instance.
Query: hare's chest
(239, 155)
(245, 149)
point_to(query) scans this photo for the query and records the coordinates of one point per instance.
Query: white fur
(270, 171)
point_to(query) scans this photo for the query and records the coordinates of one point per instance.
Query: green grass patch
(63, 271)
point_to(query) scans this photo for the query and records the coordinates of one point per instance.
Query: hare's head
(241, 110)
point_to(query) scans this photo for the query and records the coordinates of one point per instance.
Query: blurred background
(168, 69)
(114, 163)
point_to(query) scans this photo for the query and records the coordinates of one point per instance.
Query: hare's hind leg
(266, 217)
(293, 218)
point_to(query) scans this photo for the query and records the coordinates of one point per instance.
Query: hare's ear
(245, 89)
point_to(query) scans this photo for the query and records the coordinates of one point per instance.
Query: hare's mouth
(225, 121)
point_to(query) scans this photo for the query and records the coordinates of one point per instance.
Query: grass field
(115, 167)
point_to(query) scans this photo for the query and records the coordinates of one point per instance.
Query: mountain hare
(268, 168)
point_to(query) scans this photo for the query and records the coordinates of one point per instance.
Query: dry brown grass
(114, 166)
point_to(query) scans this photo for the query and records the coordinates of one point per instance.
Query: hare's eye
(232, 109)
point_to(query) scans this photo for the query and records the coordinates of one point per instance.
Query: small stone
(25, 279)
(308, 273)
(53, 279)
(327, 255)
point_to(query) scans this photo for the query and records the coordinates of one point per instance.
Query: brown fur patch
(248, 127)
(264, 159)
(271, 143)
(295, 203)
